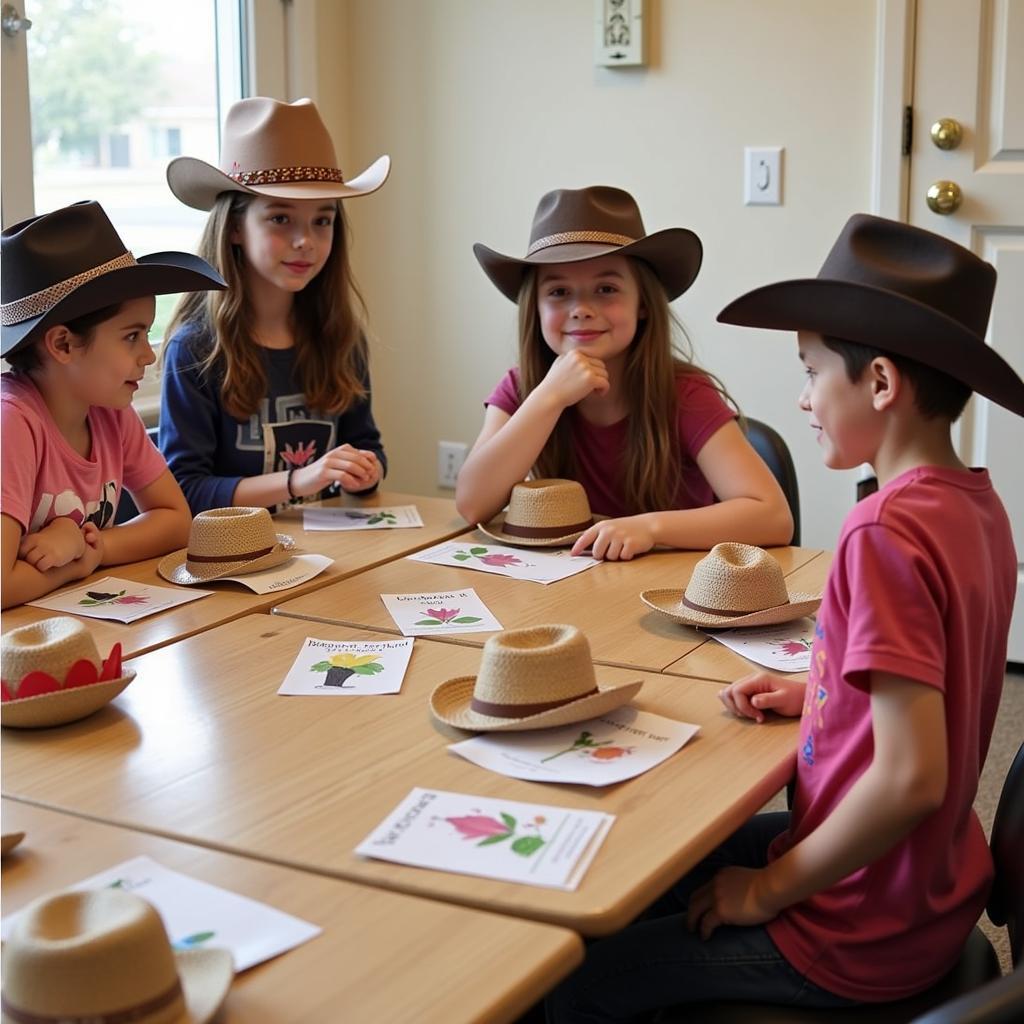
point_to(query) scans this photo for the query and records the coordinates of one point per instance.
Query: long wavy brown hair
(652, 469)
(327, 319)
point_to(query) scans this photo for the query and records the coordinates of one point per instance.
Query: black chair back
(768, 443)
(1006, 902)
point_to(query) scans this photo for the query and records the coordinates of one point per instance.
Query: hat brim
(669, 602)
(160, 273)
(197, 183)
(9, 840)
(61, 706)
(495, 530)
(674, 254)
(206, 976)
(885, 320)
(174, 567)
(450, 703)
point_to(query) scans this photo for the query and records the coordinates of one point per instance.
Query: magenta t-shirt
(922, 586)
(600, 449)
(45, 478)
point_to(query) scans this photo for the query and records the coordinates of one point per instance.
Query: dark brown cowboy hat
(900, 289)
(581, 224)
(70, 262)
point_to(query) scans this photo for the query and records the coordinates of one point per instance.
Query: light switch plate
(762, 176)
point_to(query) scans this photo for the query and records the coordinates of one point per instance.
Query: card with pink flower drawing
(391, 517)
(784, 648)
(617, 746)
(534, 844)
(120, 600)
(442, 612)
(345, 668)
(519, 563)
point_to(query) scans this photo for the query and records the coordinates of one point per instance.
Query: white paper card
(197, 914)
(620, 745)
(283, 577)
(340, 668)
(535, 844)
(518, 563)
(784, 648)
(120, 600)
(385, 517)
(440, 613)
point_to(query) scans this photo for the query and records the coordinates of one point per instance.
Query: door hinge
(908, 130)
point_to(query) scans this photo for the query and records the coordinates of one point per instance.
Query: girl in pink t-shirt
(77, 309)
(599, 395)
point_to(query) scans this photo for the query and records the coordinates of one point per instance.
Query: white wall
(486, 104)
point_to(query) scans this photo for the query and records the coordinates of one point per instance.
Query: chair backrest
(768, 443)
(999, 1002)
(126, 506)
(1006, 902)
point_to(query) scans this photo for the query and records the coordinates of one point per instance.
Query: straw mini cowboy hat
(733, 585)
(52, 674)
(70, 262)
(532, 678)
(900, 289)
(227, 542)
(581, 224)
(542, 513)
(274, 149)
(104, 956)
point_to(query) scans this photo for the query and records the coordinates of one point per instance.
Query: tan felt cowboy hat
(227, 542)
(533, 678)
(103, 957)
(581, 224)
(70, 262)
(733, 585)
(542, 513)
(899, 289)
(52, 674)
(270, 148)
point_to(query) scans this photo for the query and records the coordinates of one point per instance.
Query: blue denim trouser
(655, 962)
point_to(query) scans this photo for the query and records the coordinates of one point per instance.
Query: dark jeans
(655, 962)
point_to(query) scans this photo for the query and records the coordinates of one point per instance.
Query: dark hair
(936, 394)
(28, 358)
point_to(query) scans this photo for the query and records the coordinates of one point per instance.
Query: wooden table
(200, 747)
(381, 957)
(604, 602)
(352, 551)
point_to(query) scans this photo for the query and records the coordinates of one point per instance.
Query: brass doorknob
(946, 133)
(944, 197)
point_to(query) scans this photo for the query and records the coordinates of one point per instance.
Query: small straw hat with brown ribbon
(542, 513)
(532, 678)
(733, 585)
(227, 542)
(276, 149)
(52, 674)
(104, 956)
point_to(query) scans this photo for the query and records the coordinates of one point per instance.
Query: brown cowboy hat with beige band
(227, 542)
(582, 224)
(733, 585)
(104, 956)
(276, 149)
(543, 513)
(533, 678)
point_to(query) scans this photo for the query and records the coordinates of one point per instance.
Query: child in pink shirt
(869, 888)
(76, 312)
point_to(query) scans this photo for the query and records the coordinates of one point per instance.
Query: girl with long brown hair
(601, 395)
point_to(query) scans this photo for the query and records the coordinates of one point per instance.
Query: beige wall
(486, 104)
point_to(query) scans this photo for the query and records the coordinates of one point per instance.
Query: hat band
(287, 175)
(129, 1015)
(545, 531)
(565, 237)
(484, 707)
(244, 556)
(726, 611)
(39, 302)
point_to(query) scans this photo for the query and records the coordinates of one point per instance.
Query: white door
(969, 66)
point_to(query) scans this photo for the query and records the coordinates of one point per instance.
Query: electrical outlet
(450, 457)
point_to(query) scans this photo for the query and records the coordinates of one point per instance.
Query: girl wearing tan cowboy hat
(600, 396)
(266, 387)
(76, 310)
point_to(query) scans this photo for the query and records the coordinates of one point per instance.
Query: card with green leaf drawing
(784, 648)
(619, 745)
(534, 844)
(442, 612)
(344, 668)
(518, 563)
(390, 517)
(198, 914)
(120, 600)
